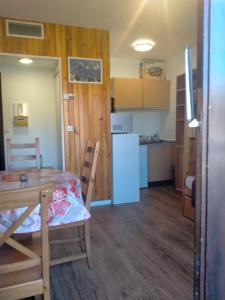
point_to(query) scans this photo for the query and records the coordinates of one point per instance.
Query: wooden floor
(140, 251)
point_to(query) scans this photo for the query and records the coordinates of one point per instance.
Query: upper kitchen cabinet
(140, 93)
(156, 93)
(127, 92)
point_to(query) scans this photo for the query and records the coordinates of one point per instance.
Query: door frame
(210, 194)
(61, 93)
(2, 151)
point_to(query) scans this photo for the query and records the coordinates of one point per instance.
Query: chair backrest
(20, 257)
(89, 171)
(23, 157)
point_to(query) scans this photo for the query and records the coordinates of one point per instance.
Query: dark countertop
(161, 142)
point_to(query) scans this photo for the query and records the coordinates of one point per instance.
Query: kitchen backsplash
(149, 122)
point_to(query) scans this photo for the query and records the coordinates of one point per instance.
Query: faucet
(155, 137)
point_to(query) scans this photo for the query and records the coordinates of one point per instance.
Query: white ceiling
(170, 23)
(41, 63)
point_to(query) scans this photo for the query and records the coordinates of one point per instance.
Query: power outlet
(68, 96)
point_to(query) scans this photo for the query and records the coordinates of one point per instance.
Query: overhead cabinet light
(26, 61)
(143, 45)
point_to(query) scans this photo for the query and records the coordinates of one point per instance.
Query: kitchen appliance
(125, 168)
(153, 69)
(121, 123)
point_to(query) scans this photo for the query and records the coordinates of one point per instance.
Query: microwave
(121, 123)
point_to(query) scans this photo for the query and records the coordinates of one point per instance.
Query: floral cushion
(65, 206)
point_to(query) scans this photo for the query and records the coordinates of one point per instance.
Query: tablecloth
(65, 206)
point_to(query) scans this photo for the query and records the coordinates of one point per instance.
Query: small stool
(188, 208)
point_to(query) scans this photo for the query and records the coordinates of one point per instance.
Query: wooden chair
(24, 265)
(12, 147)
(87, 182)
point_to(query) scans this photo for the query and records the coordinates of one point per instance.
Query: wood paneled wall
(89, 112)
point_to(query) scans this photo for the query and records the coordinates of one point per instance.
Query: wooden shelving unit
(180, 122)
(185, 157)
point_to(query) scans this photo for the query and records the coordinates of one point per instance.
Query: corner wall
(89, 111)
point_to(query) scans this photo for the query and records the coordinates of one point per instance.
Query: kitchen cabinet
(140, 93)
(127, 92)
(156, 93)
(143, 166)
(161, 161)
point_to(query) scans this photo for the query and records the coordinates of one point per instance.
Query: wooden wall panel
(89, 112)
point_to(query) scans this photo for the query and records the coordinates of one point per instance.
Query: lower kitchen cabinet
(143, 165)
(161, 158)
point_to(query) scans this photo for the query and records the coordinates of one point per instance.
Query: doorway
(35, 87)
(2, 154)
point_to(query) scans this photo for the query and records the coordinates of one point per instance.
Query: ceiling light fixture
(26, 61)
(143, 45)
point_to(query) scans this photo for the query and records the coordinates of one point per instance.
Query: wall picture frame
(85, 70)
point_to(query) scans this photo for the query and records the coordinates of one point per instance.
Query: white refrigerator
(125, 168)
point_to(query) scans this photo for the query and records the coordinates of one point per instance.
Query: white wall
(124, 68)
(148, 122)
(36, 87)
(145, 122)
(174, 67)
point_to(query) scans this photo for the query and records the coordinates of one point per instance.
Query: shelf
(184, 155)
(179, 146)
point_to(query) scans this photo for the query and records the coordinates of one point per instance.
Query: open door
(2, 155)
(210, 223)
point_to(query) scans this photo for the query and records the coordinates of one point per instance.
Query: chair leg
(47, 295)
(81, 237)
(88, 242)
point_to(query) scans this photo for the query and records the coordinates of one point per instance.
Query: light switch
(70, 128)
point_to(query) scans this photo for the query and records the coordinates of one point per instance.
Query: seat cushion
(65, 206)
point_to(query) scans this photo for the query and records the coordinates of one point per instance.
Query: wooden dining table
(65, 206)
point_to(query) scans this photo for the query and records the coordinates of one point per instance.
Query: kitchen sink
(147, 140)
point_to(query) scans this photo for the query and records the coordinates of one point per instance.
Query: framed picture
(85, 70)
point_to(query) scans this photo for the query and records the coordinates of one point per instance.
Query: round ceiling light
(26, 61)
(143, 45)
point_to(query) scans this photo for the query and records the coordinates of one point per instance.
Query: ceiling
(170, 23)
(41, 63)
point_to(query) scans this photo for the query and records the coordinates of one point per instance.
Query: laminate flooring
(140, 251)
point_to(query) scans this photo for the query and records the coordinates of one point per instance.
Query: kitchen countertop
(161, 142)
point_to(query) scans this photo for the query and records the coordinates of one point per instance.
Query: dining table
(65, 205)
